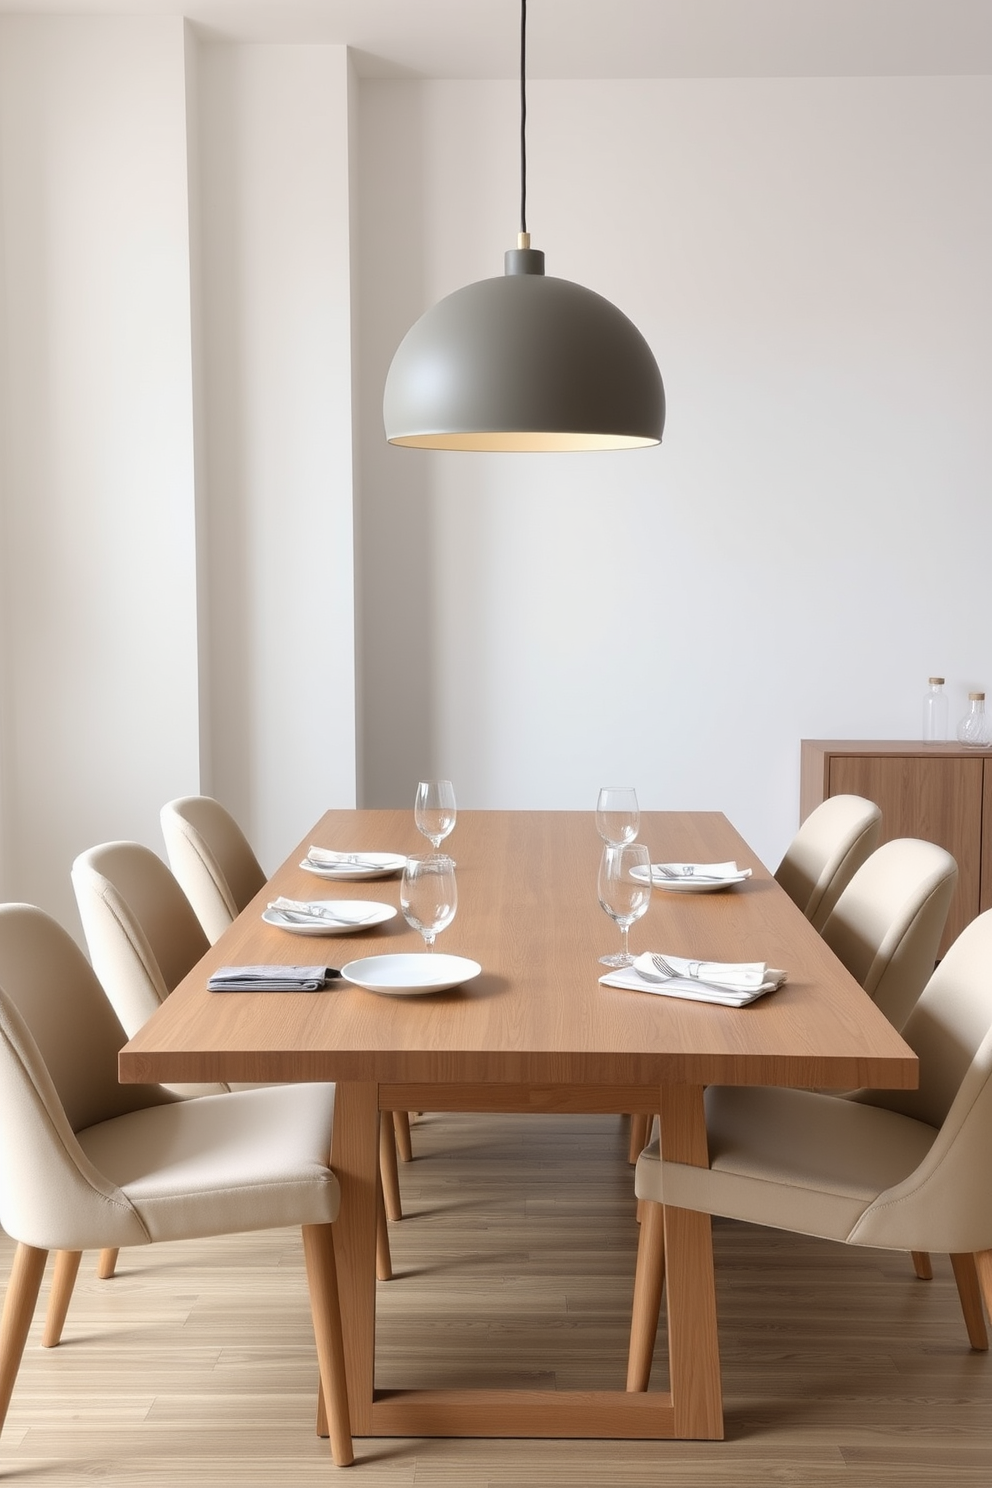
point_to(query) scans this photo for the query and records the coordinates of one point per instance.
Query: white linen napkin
(731, 984)
(305, 909)
(270, 978)
(709, 872)
(325, 857)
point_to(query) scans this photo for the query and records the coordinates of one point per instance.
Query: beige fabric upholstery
(142, 935)
(905, 1170)
(212, 861)
(887, 924)
(827, 851)
(85, 1161)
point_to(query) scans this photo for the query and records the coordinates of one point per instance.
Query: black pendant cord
(523, 116)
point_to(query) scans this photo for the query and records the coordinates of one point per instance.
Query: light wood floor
(196, 1364)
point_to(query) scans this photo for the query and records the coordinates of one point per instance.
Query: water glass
(624, 891)
(434, 810)
(617, 815)
(429, 894)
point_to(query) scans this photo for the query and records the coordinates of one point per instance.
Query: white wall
(96, 482)
(275, 287)
(809, 260)
(176, 478)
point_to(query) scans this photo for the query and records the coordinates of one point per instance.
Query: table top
(528, 912)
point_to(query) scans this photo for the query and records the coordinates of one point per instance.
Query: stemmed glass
(429, 894)
(434, 810)
(617, 814)
(624, 891)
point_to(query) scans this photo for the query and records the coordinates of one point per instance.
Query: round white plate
(404, 975)
(372, 865)
(371, 912)
(691, 885)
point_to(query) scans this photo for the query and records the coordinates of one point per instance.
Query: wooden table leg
(693, 1346)
(355, 1160)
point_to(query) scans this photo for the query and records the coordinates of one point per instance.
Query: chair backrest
(826, 852)
(212, 860)
(947, 1200)
(886, 925)
(59, 1041)
(142, 934)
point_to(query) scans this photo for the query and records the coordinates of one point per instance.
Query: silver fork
(666, 872)
(692, 970)
(303, 911)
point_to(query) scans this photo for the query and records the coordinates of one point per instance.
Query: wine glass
(617, 814)
(434, 810)
(624, 891)
(429, 894)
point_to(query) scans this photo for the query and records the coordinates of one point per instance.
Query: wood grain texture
(196, 1366)
(538, 1028)
(537, 1015)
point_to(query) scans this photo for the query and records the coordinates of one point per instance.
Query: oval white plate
(374, 914)
(373, 865)
(691, 885)
(406, 975)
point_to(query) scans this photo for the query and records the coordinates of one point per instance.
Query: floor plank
(195, 1364)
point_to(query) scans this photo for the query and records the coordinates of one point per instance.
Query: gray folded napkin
(271, 978)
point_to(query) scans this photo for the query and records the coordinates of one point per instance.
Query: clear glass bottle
(935, 711)
(975, 728)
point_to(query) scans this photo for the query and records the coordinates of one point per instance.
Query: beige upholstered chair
(826, 852)
(895, 1169)
(886, 925)
(143, 938)
(219, 873)
(212, 860)
(141, 932)
(86, 1161)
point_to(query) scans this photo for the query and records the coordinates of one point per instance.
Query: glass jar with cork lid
(975, 728)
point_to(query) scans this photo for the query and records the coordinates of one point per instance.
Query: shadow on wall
(396, 551)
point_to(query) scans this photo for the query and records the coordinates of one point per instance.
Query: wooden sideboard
(941, 792)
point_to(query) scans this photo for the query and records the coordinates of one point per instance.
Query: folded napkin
(323, 857)
(709, 872)
(270, 978)
(305, 909)
(731, 984)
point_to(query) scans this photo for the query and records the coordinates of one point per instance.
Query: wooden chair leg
(107, 1264)
(325, 1305)
(639, 1128)
(388, 1168)
(970, 1293)
(63, 1281)
(18, 1310)
(922, 1265)
(649, 1279)
(983, 1265)
(383, 1258)
(401, 1126)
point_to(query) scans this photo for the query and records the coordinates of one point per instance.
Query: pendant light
(524, 362)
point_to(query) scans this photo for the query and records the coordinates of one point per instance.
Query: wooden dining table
(534, 1032)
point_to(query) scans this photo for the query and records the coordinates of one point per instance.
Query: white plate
(691, 885)
(372, 865)
(374, 914)
(404, 975)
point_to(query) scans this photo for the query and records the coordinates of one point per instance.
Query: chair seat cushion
(792, 1159)
(251, 1160)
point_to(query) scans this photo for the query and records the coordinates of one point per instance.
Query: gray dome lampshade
(525, 362)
